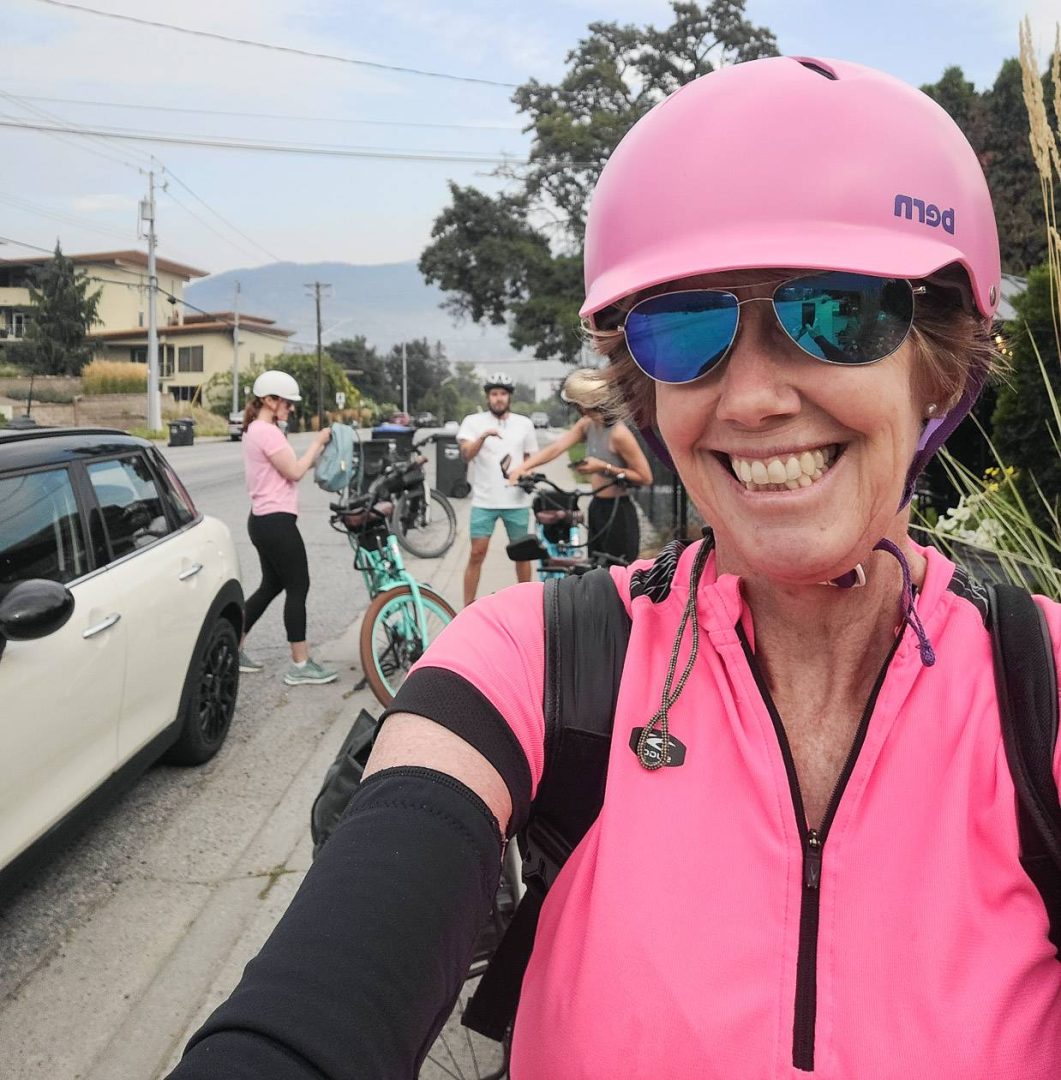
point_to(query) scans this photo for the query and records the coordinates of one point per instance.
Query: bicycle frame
(383, 568)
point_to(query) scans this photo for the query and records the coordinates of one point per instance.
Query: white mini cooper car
(120, 613)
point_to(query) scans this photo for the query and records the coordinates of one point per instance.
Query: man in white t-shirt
(485, 439)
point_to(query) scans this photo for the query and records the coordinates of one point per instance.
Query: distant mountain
(387, 304)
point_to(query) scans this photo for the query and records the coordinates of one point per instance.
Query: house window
(190, 358)
(18, 324)
(183, 393)
(252, 359)
(138, 354)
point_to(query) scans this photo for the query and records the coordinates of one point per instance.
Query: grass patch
(46, 395)
(148, 433)
(113, 377)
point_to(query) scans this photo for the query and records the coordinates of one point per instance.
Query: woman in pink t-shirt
(273, 473)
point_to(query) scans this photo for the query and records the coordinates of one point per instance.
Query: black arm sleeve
(361, 972)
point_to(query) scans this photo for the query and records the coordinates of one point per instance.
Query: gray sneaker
(311, 672)
(248, 665)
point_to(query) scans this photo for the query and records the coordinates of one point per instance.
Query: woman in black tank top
(613, 463)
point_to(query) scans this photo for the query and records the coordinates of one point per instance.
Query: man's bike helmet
(498, 381)
(798, 163)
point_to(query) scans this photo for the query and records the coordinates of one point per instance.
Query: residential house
(197, 347)
(192, 346)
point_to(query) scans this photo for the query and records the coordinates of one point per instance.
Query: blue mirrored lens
(677, 337)
(845, 318)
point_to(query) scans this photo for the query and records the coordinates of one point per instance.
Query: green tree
(363, 365)
(302, 367)
(490, 253)
(426, 368)
(1023, 423)
(63, 312)
(996, 124)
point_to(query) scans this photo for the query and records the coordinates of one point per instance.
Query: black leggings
(616, 535)
(284, 570)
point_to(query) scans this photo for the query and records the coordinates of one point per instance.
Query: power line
(58, 215)
(206, 225)
(276, 48)
(312, 150)
(515, 129)
(173, 176)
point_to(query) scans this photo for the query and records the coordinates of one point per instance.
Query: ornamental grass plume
(1004, 524)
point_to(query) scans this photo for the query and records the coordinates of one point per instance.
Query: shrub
(113, 377)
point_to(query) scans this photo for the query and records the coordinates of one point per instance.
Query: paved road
(116, 951)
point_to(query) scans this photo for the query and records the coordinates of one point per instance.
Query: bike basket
(556, 512)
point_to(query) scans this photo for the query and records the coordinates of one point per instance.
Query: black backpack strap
(1026, 680)
(587, 631)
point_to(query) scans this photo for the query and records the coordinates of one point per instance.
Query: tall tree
(426, 366)
(64, 309)
(363, 366)
(516, 258)
(996, 124)
(1023, 424)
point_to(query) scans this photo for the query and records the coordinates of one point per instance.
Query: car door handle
(106, 624)
(190, 572)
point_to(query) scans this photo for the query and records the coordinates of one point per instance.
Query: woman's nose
(757, 382)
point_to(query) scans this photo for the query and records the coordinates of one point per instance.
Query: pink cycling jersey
(684, 937)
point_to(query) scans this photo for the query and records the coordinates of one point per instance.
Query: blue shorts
(483, 520)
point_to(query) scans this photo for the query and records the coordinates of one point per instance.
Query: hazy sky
(362, 210)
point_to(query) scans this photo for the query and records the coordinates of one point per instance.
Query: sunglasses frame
(916, 289)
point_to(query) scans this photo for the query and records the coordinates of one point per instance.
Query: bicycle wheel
(391, 641)
(425, 528)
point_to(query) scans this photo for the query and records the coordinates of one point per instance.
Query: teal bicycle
(403, 616)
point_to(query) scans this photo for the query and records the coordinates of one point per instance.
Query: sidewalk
(247, 898)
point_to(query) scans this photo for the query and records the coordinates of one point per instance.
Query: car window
(40, 530)
(179, 500)
(133, 515)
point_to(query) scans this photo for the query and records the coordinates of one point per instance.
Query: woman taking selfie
(792, 269)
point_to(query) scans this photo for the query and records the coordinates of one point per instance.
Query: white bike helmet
(498, 381)
(276, 384)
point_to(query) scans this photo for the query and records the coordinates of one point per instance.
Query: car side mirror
(34, 609)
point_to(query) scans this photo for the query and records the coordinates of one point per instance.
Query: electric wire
(206, 225)
(311, 150)
(60, 216)
(400, 69)
(513, 128)
(202, 202)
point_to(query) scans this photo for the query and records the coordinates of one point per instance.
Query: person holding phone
(614, 461)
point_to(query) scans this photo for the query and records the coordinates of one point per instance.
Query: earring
(930, 410)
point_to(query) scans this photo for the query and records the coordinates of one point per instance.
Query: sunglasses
(836, 317)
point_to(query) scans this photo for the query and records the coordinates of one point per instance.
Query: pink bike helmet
(795, 162)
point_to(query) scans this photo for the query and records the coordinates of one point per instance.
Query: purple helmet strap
(937, 431)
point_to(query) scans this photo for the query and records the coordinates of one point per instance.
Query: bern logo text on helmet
(927, 213)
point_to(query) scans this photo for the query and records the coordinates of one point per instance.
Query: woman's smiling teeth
(788, 472)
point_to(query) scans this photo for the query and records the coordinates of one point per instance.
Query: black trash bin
(451, 471)
(182, 433)
(399, 436)
(375, 455)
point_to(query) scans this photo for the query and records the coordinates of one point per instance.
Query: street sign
(340, 399)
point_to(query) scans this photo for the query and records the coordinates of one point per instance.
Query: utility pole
(405, 383)
(316, 286)
(147, 217)
(235, 354)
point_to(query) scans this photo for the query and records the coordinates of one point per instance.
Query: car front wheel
(211, 688)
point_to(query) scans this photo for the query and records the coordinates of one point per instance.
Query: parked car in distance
(120, 614)
(426, 419)
(540, 419)
(235, 426)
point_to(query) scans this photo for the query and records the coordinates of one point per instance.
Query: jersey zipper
(813, 841)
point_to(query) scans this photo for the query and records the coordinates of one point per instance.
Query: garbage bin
(182, 433)
(399, 435)
(451, 471)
